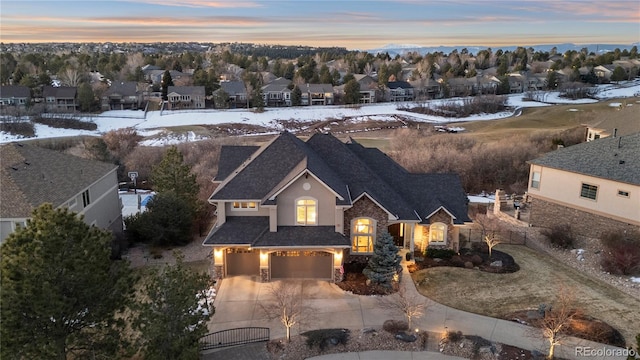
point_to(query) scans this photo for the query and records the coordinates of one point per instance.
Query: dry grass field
(540, 275)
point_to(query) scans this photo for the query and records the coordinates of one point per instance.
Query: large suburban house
(400, 91)
(316, 94)
(236, 92)
(622, 120)
(122, 95)
(14, 95)
(277, 93)
(63, 98)
(31, 176)
(185, 97)
(296, 209)
(593, 186)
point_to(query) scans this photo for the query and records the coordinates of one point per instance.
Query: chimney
(615, 132)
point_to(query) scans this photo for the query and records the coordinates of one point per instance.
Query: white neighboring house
(593, 186)
(31, 176)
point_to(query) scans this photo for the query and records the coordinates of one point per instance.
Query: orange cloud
(201, 3)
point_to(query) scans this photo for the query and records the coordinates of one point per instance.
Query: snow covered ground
(154, 120)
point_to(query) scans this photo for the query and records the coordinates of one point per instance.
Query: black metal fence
(232, 337)
(469, 236)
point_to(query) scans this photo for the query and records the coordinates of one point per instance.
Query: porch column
(264, 266)
(218, 262)
(409, 233)
(338, 270)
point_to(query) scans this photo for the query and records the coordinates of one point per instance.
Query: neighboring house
(155, 76)
(516, 83)
(604, 72)
(620, 122)
(236, 91)
(185, 97)
(295, 209)
(63, 98)
(14, 95)
(31, 176)
(316, 94)
(400, 91)
(368, 88)
(462, 86)
(123, 95)
(277, 93)
(593, 186)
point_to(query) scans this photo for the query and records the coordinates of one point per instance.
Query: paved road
(237, 305)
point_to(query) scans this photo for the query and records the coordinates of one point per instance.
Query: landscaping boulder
(406, 337)
(497, 263)
(468, 265)
(476, 259)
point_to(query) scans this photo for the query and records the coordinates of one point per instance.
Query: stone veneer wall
(442, 217)
(364, 208)
(547, 214)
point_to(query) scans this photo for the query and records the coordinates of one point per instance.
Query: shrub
(18, 127)
(622, 253)
(560, 236)
(324, 337)
(439, 253)
(65, 122)
(453, 336)
(395, 326)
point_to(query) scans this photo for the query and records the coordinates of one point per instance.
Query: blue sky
(354, 24)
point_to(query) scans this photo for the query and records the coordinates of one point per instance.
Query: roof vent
(621, 162)
(14, 168)
(27, 163)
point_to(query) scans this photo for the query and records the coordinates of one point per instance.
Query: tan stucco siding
(287, 201)
(564, 188)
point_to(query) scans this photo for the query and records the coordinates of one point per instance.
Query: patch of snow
(615, 104)
(480, 199)
(573, 110)
(172, 139)
(635, 279)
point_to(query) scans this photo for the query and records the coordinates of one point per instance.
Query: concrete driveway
(238, 298)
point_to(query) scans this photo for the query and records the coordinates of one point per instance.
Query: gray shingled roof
(186, 90)
(32, 175)
(613, 158)
(124, 88)
(302, 236)
(425, 192)
(341, 166)
(233, 87)
(232, 156)
(59, 92)
(285, 154)
(14, 91)
(238, 230)
(316, 88)
(399, 84)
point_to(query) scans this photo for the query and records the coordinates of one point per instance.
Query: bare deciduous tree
(411, 305)
(491, 241)
(558, 317)
(288, 305)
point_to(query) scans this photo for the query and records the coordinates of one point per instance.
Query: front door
(396, 230)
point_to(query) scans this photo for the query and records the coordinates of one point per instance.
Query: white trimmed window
(86, 200)
(244, 205)
(17, 225)
(363, 233)
(307, 211)
(535, 180)
(438, 234)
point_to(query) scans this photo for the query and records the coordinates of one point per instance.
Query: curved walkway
(238, 298)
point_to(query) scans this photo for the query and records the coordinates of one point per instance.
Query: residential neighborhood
(292, 202)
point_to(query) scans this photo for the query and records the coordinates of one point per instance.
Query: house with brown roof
(14, 95)
(593, 186)
(31, 176)
(302, 209)
(63, 98)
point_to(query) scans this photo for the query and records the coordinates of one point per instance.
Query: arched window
(438, 233)
(306, 211)
(363, 233)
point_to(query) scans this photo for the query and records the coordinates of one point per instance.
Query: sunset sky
(354, 24)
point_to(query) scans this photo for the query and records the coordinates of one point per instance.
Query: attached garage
(301, 264)
(242, 262)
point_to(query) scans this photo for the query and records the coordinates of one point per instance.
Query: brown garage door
(301, 264)
(243, 262)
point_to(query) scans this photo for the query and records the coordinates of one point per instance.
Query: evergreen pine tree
(296, 96)
(166, 82)
(385, 262)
